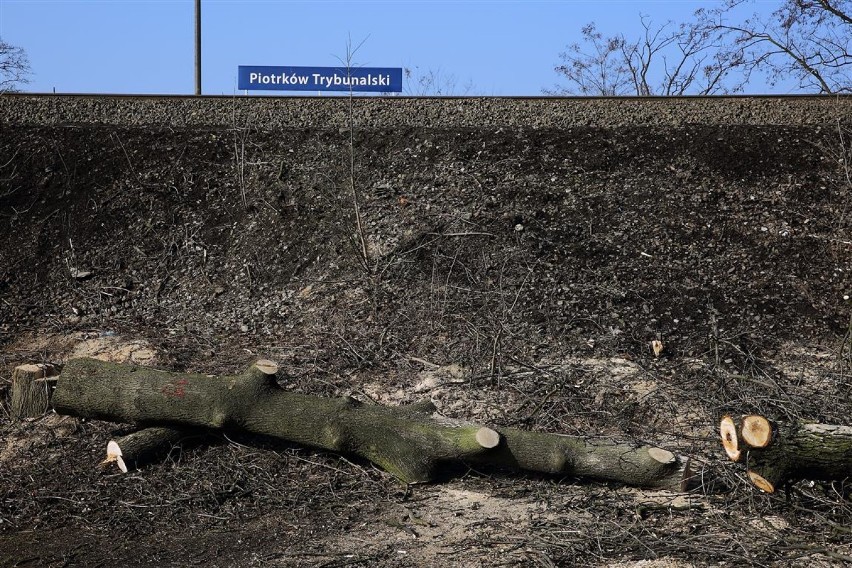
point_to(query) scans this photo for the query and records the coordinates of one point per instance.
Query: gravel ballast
(269, 113)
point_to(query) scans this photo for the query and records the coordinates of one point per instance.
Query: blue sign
(362, 79)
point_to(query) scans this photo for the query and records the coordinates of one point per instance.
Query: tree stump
(32, 386)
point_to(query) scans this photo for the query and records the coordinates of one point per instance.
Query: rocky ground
(514, 275)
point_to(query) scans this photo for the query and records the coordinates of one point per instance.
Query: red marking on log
(173, 390)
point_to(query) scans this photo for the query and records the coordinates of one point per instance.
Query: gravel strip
(268, 113)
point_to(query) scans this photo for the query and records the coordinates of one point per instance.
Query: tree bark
(31, 390)
(780, 453)
(410, 442)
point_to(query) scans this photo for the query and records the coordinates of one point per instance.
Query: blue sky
(147, 46)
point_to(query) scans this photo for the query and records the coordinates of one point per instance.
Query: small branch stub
(689, 479)
(730, 440)
(267, 367)
(756, 431)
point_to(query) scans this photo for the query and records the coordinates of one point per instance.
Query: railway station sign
(360, 79)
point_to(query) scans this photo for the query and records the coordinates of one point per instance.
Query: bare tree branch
(14, 67)
(663, 60)
(835, 9)
(718, 52)
(808, 40)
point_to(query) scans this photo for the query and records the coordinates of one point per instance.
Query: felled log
(412, 443)
(780, 453)
(31, 390)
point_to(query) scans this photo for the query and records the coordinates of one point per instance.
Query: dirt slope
(513, 275)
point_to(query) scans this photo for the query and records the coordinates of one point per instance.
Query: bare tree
(663, 60)
(595, 67)
(14, 67)
(807, 40)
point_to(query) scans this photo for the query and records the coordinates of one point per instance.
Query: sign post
(197, 48)
(320, 79)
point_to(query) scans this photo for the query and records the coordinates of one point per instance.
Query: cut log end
(266, 366)
(662, 456)
(113, 450)
(730, 442)
(761, 482)
(487, 438)
(756, 431)
(114, 455)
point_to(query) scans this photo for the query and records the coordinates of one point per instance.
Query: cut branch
(408, 442)
(133, 450)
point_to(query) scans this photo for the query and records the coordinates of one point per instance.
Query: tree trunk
(31, 390)
(776, 454)
(410, 442)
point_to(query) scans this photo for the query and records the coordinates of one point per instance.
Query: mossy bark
(408, 442)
